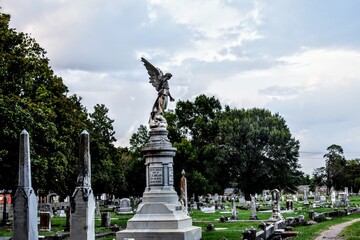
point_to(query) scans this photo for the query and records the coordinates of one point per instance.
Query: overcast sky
(298, 58)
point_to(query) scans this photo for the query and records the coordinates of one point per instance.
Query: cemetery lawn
(230, 230)
(351, 232)
(311, 232)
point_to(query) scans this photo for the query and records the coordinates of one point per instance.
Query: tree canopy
(249, 149)
(338, 172)
(258, 149)
(32, 97)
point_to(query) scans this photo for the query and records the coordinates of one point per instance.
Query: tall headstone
(82, 219)
(25, 201)
(333, 198)
(306, 199)
(253, 215)
(233, 209)
(160, 214)
(276, 214)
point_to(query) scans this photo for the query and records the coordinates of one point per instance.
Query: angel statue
(161, 84)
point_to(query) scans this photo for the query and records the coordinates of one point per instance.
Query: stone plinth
(160, 215)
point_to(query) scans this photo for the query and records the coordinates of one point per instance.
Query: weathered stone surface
(82, 219)
(25, 202)
(160, 215)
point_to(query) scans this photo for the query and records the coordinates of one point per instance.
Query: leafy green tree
(318, 178)
(258, 150)
(192, 130)
(32, 97)
(335, 164)
(352, 175)
(104, 155)
(135, 172)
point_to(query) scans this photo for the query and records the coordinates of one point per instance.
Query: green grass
(228, 230)
(351, 232)
(311, 232)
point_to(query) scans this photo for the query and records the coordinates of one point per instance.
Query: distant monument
(82, 218)
(160, 215)
(25, 202)
(253, 215)
(276, 214)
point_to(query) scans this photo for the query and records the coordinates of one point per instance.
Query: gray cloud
(288, 57)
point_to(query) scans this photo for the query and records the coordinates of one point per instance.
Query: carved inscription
(171, 176)
(156, 176)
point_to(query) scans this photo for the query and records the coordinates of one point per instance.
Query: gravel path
(333, 232)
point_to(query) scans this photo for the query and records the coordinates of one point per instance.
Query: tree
(318, 179)
(351, 175)
(32, 97)
(192, 130)
(135, 172)
(335, 163)
(104, 156)
(258, 150)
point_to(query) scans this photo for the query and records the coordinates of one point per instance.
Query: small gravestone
(45, 222)
(206, 209)
(242, 202)
(125, 207)
(317, 197)
(61, 213)
(105, 219)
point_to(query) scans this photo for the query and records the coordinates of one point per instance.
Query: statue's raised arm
(161, 84)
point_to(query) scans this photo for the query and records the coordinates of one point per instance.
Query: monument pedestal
(160, 215)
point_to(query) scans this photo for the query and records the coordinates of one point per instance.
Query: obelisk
(82, 219)
(25, 202)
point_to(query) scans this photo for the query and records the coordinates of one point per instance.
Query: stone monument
(25, 201)
(160, 214)
(253, 215)
(305, 200)
(233, 209)
(82, 218)
(276, 214)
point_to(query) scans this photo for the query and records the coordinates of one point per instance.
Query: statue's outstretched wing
(155, 74)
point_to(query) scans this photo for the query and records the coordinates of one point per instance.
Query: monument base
(82, 218)
(160, 221)
(160, 234)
